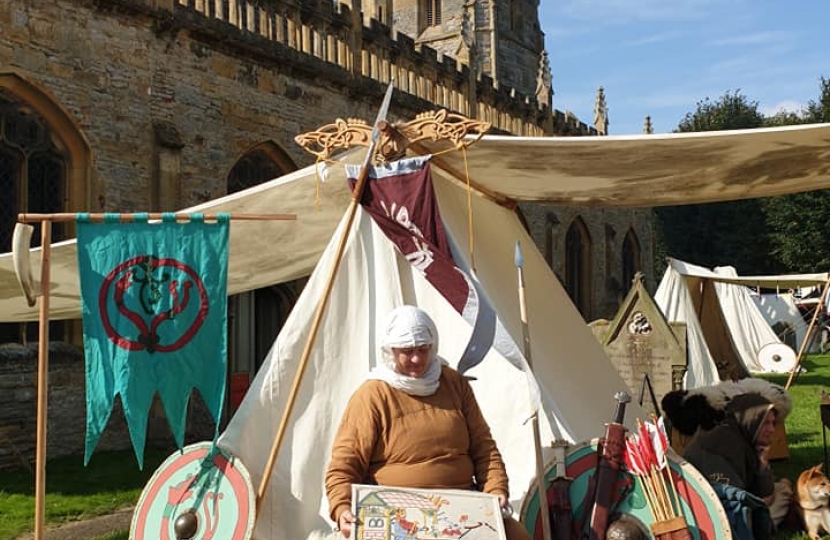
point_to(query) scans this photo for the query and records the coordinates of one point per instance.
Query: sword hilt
(622, 398)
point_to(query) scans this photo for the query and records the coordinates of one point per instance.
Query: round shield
(777, 358)
(196, 494)
(701, 508)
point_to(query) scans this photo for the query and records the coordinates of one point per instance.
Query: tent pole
(321, 306)
(42, 380)
(808, 339)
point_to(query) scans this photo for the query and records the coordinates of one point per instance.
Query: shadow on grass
(107, 472)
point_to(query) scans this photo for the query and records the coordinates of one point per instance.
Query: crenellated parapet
(332, 33)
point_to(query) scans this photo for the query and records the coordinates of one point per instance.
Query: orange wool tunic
(388, 437)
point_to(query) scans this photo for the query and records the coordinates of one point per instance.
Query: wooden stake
(42, 380)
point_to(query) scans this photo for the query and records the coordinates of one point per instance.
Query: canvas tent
(576, 378)
(725, 329)
(782, 314)
(347, 350)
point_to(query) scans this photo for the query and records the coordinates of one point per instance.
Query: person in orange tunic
(414, 423)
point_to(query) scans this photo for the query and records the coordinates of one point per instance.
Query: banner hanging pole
(128, 218)
(42, 380)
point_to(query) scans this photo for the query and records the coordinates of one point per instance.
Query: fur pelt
(704, 407)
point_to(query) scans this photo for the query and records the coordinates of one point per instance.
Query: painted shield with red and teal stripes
(196, 494)
(700, 506)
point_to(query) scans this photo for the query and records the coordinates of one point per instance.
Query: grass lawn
(111, 481)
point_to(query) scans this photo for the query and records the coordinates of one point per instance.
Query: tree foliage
(716, 234)
(733, 110)
(799, 224)
(777, 234)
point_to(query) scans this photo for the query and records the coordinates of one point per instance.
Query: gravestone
(648, 351)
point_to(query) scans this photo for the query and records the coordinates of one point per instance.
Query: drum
(701, 507)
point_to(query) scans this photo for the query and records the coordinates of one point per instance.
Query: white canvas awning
(645, 170)
(783, 281)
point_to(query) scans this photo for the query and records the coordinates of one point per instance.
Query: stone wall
(66, 416)
(607, 228)
(133, 79)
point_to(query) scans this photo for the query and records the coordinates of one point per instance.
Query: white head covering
(408, 326)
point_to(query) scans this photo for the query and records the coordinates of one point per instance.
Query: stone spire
(466, 52)
(601, 113)
(544, 90)
(648, 129)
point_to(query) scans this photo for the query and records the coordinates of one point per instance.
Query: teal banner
(154, 298)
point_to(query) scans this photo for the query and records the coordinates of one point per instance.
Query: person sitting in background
(735, 454)
(414, 423)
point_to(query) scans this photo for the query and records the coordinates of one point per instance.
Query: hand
(762, 451)
(506, 508)
(344, 523)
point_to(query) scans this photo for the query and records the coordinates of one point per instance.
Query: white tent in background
(724, 327)
(782, 314)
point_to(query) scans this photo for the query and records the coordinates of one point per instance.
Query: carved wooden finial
(395, 138)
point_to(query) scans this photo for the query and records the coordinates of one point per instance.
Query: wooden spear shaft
(541, 482)
(42, 380)
(321, 306)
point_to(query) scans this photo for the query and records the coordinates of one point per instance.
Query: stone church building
(156, 105)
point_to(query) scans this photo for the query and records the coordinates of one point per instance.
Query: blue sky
(660, 57)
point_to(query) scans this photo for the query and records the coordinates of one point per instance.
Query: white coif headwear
(408, 326)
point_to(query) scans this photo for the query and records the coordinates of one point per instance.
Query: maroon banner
(403, 205)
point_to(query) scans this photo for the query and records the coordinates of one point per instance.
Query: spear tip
(518, 257)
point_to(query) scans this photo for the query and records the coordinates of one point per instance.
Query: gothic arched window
(33, 179)
(578, 266)
(32, 169)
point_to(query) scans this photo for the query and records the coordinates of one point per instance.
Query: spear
(541, 482)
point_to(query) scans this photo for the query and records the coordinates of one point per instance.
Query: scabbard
(560, 509)
(609, 468)
(610, 462)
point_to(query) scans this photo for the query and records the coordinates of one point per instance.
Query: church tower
(499, 38)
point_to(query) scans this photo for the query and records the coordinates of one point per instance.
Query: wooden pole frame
(131, 217)
(46, 221)
(808, 338)
(42, 379)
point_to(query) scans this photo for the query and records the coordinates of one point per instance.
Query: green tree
(732, 110)
(798, 224)
(819, 111)
(717, 234)
(777, 234)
